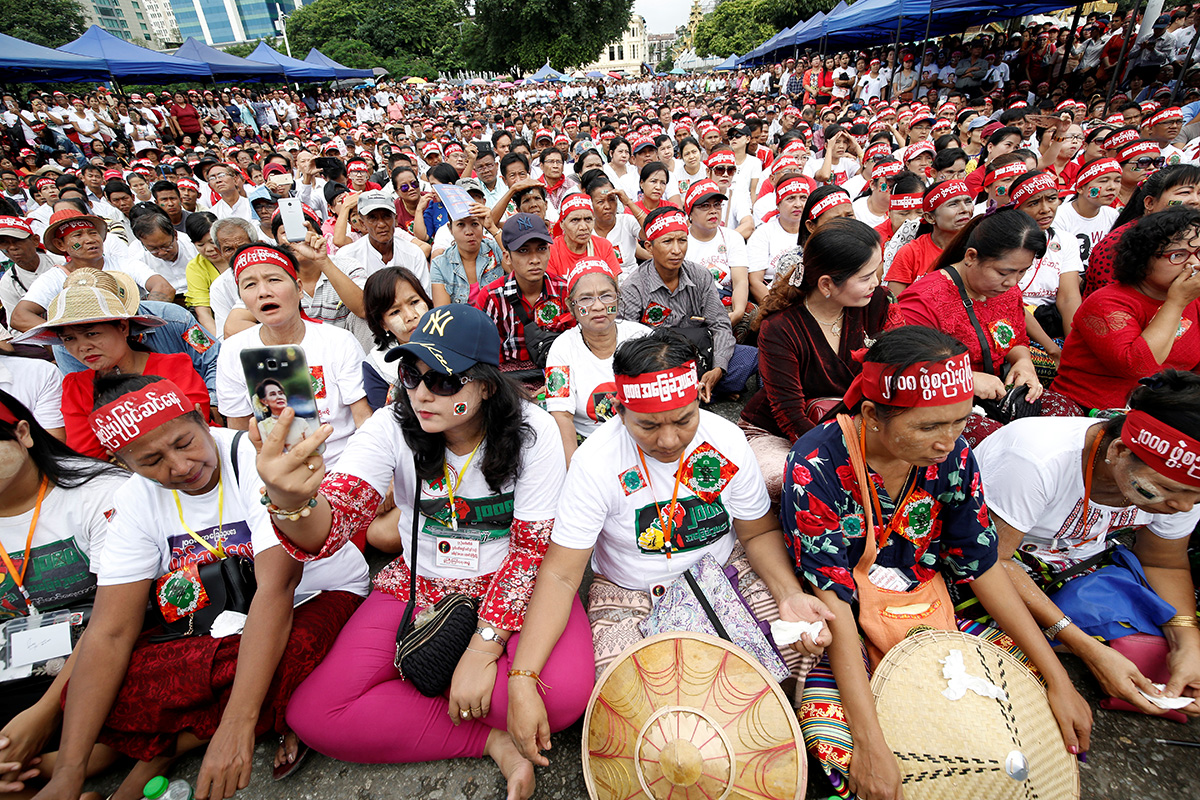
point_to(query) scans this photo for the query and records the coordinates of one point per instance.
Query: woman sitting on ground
(907, 410)
(488, 466)
(1058, 488)
(819, 312)
(394, 301)
(945, 210)
(580, 393)
(194, 500)
(1143, 323)
(614, 512)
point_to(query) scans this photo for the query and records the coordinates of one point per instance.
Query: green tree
(243, 49)
(737, 26)
(520, 35)
(666, 65)
(49, 23)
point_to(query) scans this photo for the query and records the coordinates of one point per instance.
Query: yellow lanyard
(219, 550)
(452, 486)
(668, 524)
(19, 577)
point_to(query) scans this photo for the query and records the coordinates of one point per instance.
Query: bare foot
(515, 768)
(287, 749)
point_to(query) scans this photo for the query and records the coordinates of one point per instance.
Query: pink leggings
(354, 706)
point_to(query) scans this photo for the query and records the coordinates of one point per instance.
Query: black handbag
(537, 338)
(1014, 404)
(702, 339)
(429, 647)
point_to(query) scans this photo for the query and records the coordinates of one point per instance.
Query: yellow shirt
(200, 274)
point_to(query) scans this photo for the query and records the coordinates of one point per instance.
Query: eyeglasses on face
(437, 383)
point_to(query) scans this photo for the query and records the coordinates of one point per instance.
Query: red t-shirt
(188, 118)
(562, 260)
(1105, 355)
(914, 260)
(77, 397)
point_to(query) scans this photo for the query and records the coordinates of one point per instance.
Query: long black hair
(505, 430)
(662, 348)
(1171, 397)
(63, 466)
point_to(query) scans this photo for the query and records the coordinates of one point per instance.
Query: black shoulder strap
(233, 457)
(708, 609)
(988, 366)
(402, 631)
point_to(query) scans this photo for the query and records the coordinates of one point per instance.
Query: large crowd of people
(954, 287)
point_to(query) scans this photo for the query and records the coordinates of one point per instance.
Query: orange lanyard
(875, 504)
(19, 577)
(668, 525)
(1087, 487)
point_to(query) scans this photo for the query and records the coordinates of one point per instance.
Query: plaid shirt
(499, 301)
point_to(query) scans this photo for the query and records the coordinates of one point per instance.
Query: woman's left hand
(471, 687)
(708, 382)
(227, 761)
(1023, 374)
(1074, 717)
(1184, 664)
(803, 607)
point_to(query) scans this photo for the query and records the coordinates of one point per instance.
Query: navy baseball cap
(520, 228)
(452, 339)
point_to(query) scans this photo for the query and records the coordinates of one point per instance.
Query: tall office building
(127, 19)
(226, 21)
(162, 20)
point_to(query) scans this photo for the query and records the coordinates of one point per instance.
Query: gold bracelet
(1182, 621)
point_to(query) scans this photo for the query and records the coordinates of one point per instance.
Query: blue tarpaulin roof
(547, 73)
(315, 56)
(127, 61)
(729, 63)
(226, 67)
(25, 62)
(293, 68)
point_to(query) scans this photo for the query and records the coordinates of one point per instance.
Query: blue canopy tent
(758, 53)
(226, 67)
(126, 61)
(801, 33)
(293, 68)
(547, 73)
(318, 58)
(25, 62)
(730, 63)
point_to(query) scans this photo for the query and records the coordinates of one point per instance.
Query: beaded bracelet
(288, 514)
(528, 673)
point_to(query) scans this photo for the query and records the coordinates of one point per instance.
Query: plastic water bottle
(160, 789)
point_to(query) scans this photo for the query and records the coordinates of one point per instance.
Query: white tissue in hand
(227, 623)
(785, 633)
(959, 682)
(1172, 703)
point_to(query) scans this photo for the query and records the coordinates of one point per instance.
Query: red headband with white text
(1167, 451)
(672, 222)
(925, 384)
(261, 255)
(944, 193)
(134, 415)
(666, 390)
(1031, 187)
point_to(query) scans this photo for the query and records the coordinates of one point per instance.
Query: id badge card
(889, 578)
(457, 553)
(26, 642)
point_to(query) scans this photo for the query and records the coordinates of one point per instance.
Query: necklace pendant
(836, 329)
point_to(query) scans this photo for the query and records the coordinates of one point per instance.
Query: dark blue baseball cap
(520, 228)
(452, 339)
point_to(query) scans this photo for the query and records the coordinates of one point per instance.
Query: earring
(827, 295)
(874, 427)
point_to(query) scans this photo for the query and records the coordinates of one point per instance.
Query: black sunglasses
(437, 383)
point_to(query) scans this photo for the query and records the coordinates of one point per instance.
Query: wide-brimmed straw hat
(691, 716)
(63, 217)
(83, 303)
(976, 746)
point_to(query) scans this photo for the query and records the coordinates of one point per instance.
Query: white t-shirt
(37, 384)
(749, 170)
(48, 285)
(1040, 285)
(67, 542)
(720, 254)
(223, 297)
(580, 383)
(334, 359)
(16, 281)
(767, 243)
(872, 86)
(763, 206)
(609, 502)
(736, 209)
(146, 538)
(624, 239)
(1033, 481)
(174, 271)
(862, 212)
(842, 171)
(1069, 224)
(241, 208)
(404, 254)
(378, 454)
(629, 182)
(682, 180)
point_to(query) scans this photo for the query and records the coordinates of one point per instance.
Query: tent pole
(1129, 26)
(1179, 81)
(1062, 70)
(899, 28)
(928, 27)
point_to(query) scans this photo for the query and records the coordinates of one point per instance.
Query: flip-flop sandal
(287, 769)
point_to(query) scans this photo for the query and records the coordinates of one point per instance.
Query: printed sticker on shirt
(655, 314)
(558, 382)
(478, 518)
(457, 553)
(231, 537)
(547, 312)
(617, 250)
(58, 575)
(1184, 324)
(707, 472)
(198, 339)
(180, 593)
(915, 521)
(631, 481)
(317, 374)
(1003, 334)
(1054, 245)
(695, 524)
(602, 403)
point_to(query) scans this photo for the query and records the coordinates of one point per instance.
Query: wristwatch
(1054, 630)
(489, 634)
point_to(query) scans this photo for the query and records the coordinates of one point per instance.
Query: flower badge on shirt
(558, 382)
(1003, 334)
(198, 339)
(655, 314)
(707, 472)
(631, 481)
(1184, 324)
(317, 374)
(617, 250)
(180, 593)
(547, 311)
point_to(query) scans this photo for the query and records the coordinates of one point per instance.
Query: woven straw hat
(691, 717)
(975, 747)
(119, 283)
(83, 305)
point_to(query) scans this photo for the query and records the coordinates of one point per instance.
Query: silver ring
(465, 714)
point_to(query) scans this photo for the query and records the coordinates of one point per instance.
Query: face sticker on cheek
(460, 409)
(76, 246)
(1093, 192)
